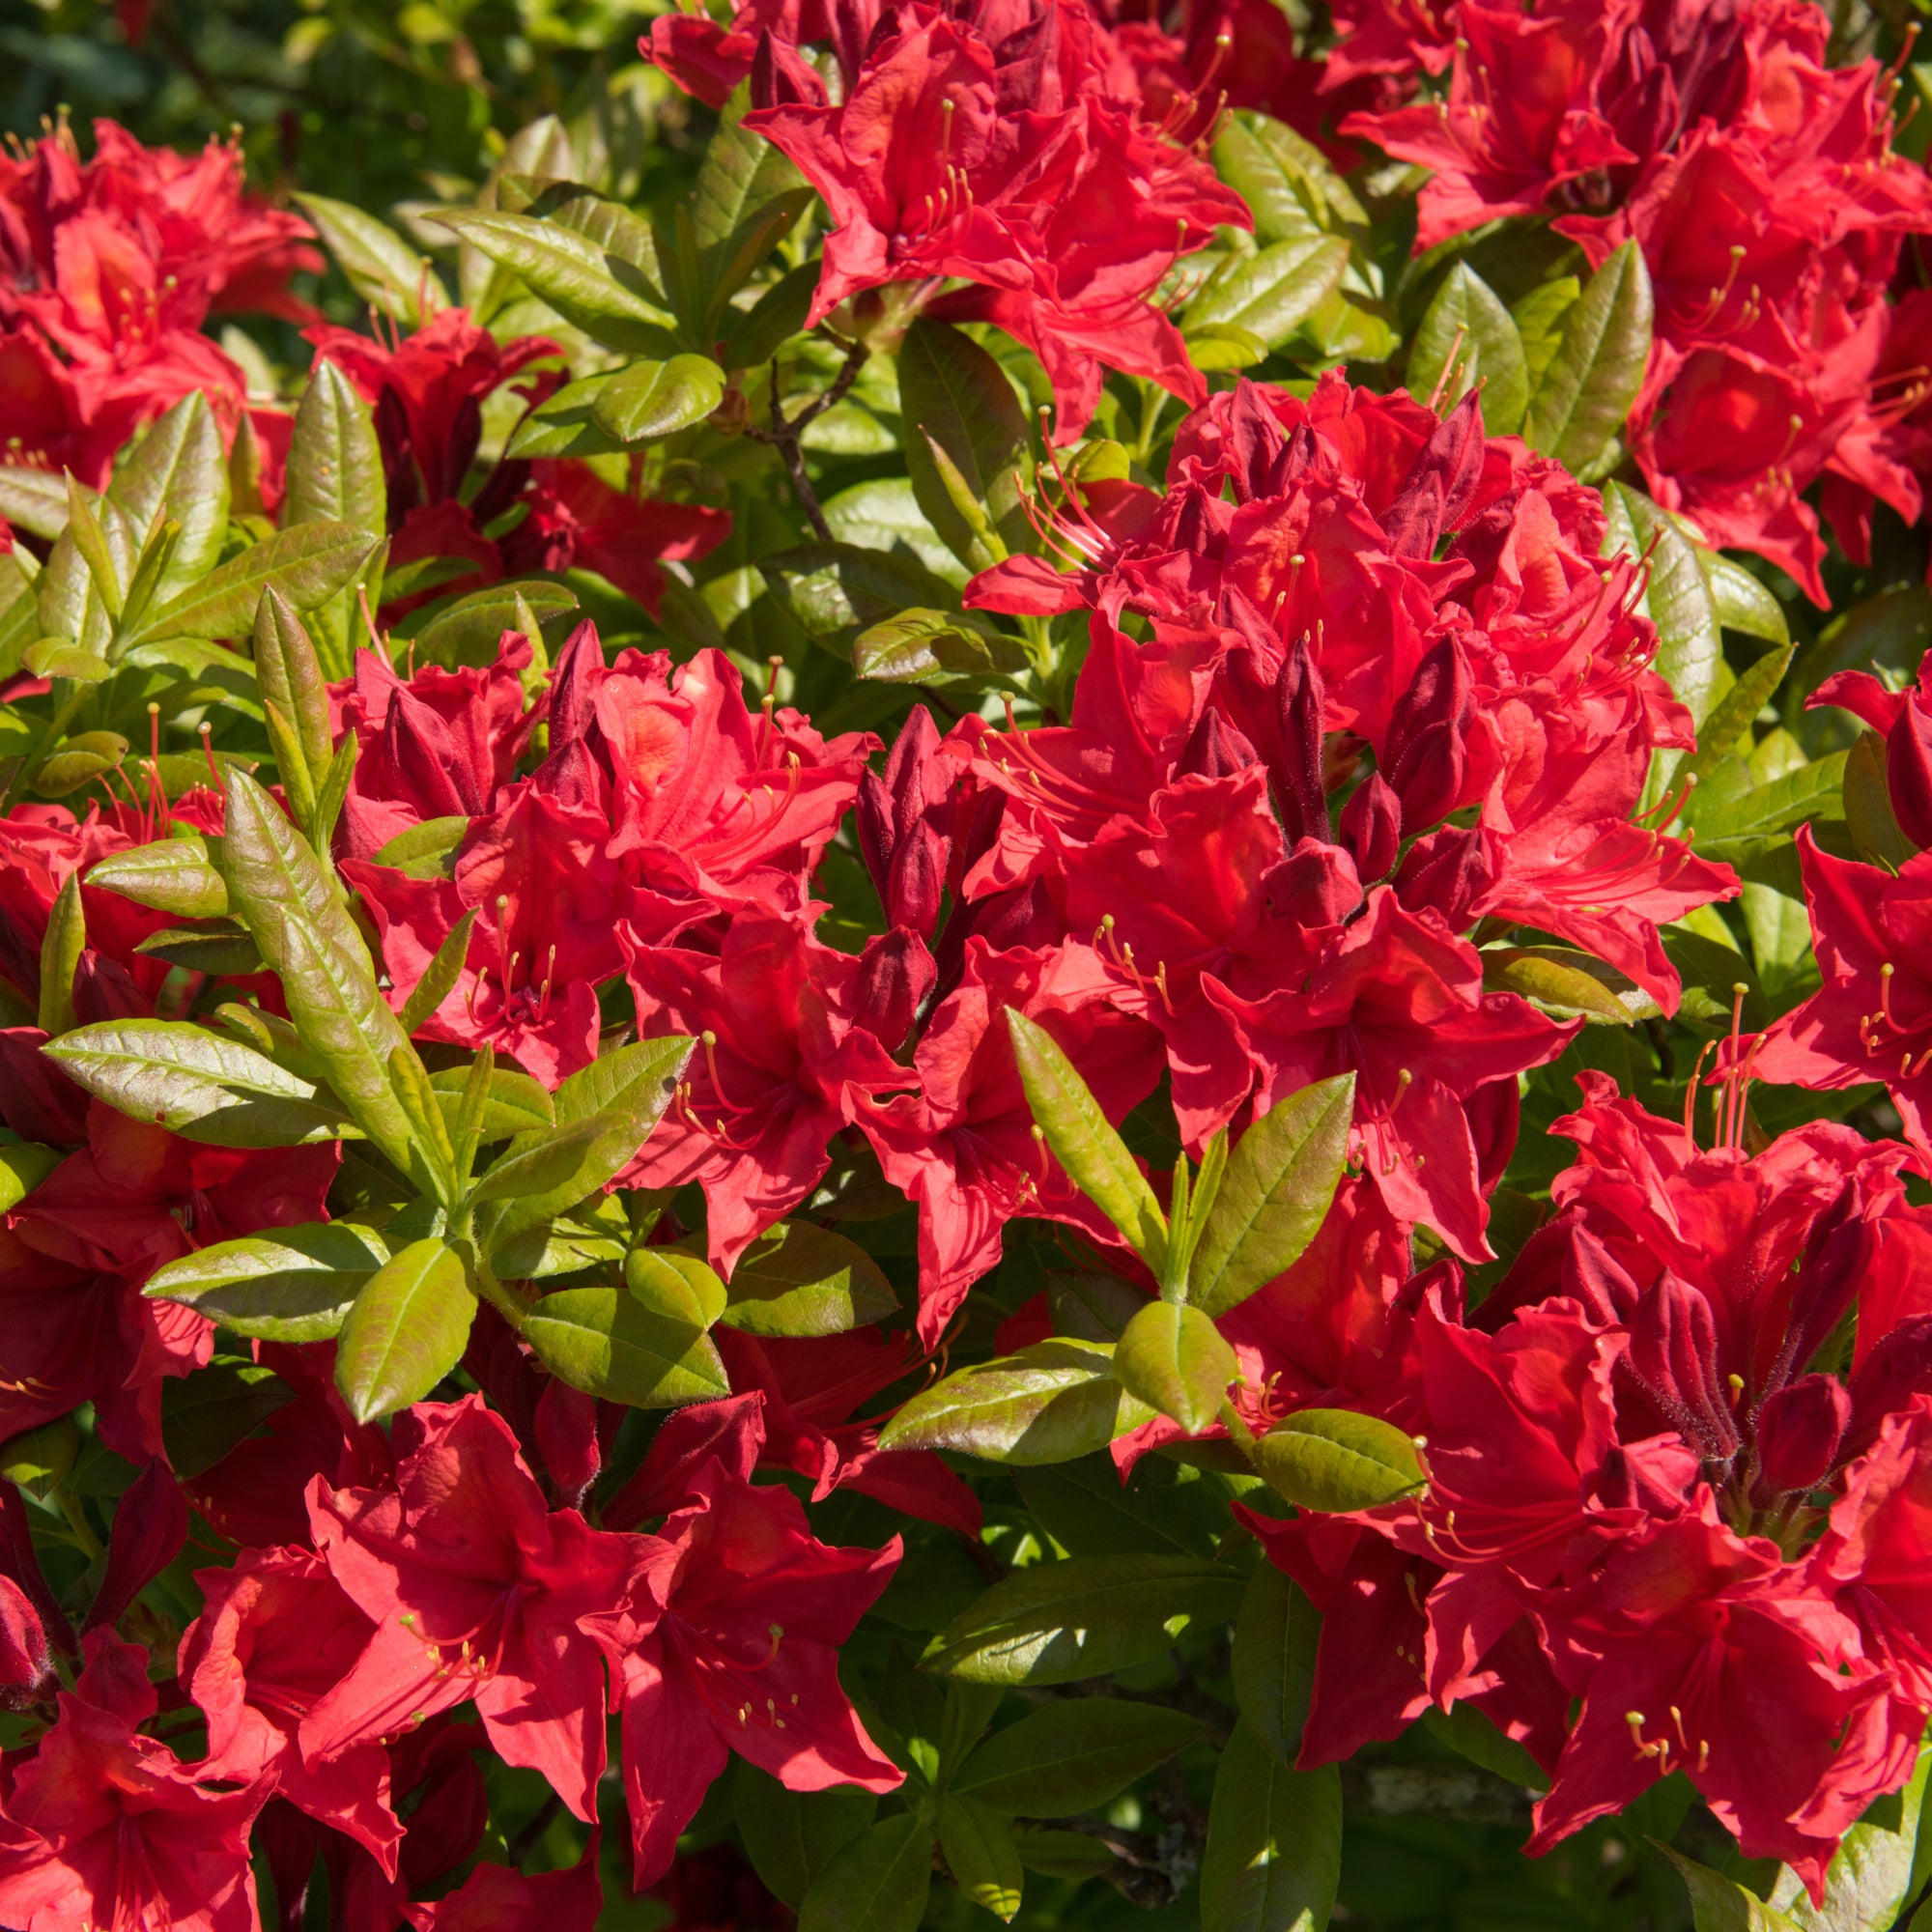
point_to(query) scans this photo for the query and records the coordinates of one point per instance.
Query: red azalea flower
(475, 1590)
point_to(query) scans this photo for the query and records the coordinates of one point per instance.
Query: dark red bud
(1424, 755)
(1908, 771)
(22, 1567)
(1315, 885)
(1798, 1432)
(150, 1528)
(1372, 826)
(1446, 873)
(1300, 796)
(566, 1433)
(1441, 483)
(896, 973)
(103, 989)
(730, 1432)
(1214, 750)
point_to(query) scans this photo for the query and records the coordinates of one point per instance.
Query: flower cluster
(1760, 187)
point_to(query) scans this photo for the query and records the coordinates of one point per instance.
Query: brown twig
(785, 433)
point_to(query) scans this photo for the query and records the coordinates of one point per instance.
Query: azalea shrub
(1000, 985)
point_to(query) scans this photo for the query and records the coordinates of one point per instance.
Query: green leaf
(1539, 321)
(592, 288)
(1074, 1854)
(544, 1161)
(466, 632)
(23, 1166)
(292, 1285)
(34, 500)
(61, 948)
(515, 1103)
(1274, 1843)
(652, 400)
(771, 321)
(955, 393)
(1566, 982)
(216, 1410)
(981, 1854)
(335, 475)
(1053, 1623)
(1091, 1307)
(1274, 1195)
(1087, 1509)
(878, 1883)
(308, 563)
(740, 173)
(563, 425)
(1677, 599)
(790, 1837)
(832, 591)
(1729, 722)
(1333, 1460)
(798, 1279)
(1719, 1904)
(1274, 1660)
(291, 678)
(625, 1092)
(1578, 406)
(679, 1286)
(379, 265)
(1465, 1731)
(1174, 1359)
(196, 1083)
(1096, 1159)
(1742, 603)
(1070, 1757)
(405, 1331)
(40, 1460)
(1048, 1404)
(276, 884)
(1273, 291)
(1872, 1876)
(606, 1343)
(426, 850)
(1262, 160)
(178, 472)
(1813, 791)
(172, 875)
(1466, 336)
(1869, 818)
(440, 976)
(934, 647)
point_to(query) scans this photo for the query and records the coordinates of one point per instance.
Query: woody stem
(785, 433)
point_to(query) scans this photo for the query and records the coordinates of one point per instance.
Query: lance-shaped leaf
(606, 1343)
(1466, 336)
(276, 884)
(772, 320)
(680, 1287)
(1273, 291)
(652, 400)
(981, 1854)
(878, 1883)
(1580, 404)
(798, 1279)
(178, 472)
(307, 563)
(1720, 1904)
(790, 1837)
(1334, 1460)
(379, 265)
(1067, 1758)
(197, 1084)
(1274, 1194)
(1274, 1660)
(61, 948)
(334, 474)
(172, 875)
(625, 1094)
(291, 678)
(1049, 1402)
(1676, 598)
(212, 1411)
(1173, 1358)
(405, 1331)
(1274, 1843)
(959, 408)
(292, 1285)
(513, 1103)
(1052, 1623)
(741, 172)
(1094, 1156)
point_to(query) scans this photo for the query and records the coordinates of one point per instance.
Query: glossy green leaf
(439, 977)
(34, 500)
(1728, 726)
(1274, 1195)
(177, 471)
(207, 1415)
(379, 265)
(1092, 1307)
(606, 1343)
(741, 172)
(652, 400)
(1566, 982)
(1047, 1403)
(799, 1279)
(981, 1854)
(920, 646)
(1274, 1843)
(1070, 1757)
(1089, 1510)
(1335, 1460)
(291, 677)
(1466, 336)
(757, 335)
(23, 1166)
(1053, 1623)
(61, 947)
(1173, 1358)
(955, 393)
(790, 1837)
(678, 1286)
(1275, 1641)
(1742, 602)
(1875, 1872)
(291, 1285)
(1096, 1159)
(39, 1459)
(1869, 818)
(832, 591)
(466, 632)
(1677, 599)
(1465, 1731)
(276, 884)
(172, 875)
(878, 1883)
(515, 1103)
(1813, 791)
(405, 1331)
(1271, 292)
(196, 1083)
(1267, 171)
(1719, 1904)
(307, 563)
(1578, 409)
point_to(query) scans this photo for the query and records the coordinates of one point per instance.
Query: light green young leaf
(1335, 1460)
(1050, 1403)
(800, 1279)
(292, 1285)
(405, 1331)
(606, 1343)
(1173, 1358)
(379, 265)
